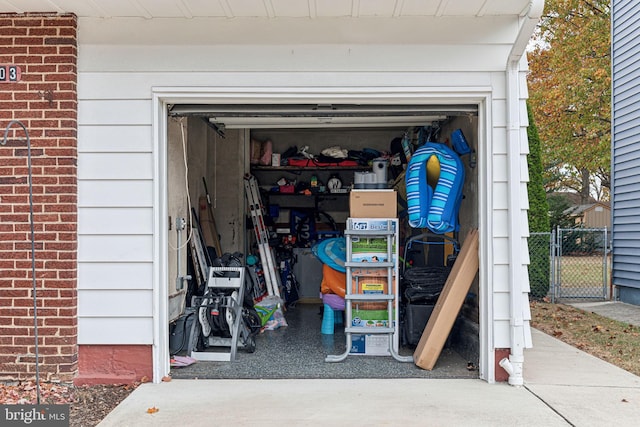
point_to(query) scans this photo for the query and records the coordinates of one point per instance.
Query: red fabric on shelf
(304, 163)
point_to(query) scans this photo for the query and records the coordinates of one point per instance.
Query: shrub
(539, 267)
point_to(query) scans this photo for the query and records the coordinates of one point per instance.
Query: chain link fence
(570, 264)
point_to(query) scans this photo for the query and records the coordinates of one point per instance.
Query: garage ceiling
(321, 115)
(268, 8)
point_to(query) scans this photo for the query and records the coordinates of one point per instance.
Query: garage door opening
(212, 148)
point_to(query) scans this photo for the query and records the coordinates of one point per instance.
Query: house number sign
(10, 73)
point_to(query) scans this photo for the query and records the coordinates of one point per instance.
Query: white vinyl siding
(120, 330)
(115, 276)
(116, 172)
(310, 58)
(500, 214)
(125, 193)
(115, 221)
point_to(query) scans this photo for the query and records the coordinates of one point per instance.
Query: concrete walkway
(563, 387)
(615, 310)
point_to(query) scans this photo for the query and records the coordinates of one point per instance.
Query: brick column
(45, 100)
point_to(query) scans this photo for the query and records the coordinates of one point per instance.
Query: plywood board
(449, 304)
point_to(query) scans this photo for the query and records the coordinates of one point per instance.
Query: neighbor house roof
(580, 209)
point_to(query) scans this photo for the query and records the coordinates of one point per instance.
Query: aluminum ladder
(267, 258)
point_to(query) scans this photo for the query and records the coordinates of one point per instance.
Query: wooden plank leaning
(449, 304)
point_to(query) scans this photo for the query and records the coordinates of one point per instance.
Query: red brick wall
(45, 100)
(114, 364)
(501, 374)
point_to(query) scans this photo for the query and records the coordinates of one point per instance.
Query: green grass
(583, 271)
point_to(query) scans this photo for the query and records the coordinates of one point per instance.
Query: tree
(539, 267)
(560, 215)
(538, 205)
(570, 94)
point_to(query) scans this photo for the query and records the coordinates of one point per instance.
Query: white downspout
(528, 21)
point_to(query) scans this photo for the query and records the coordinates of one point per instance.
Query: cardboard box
(370, 318)
(373, 204)
(374, 248)
(371, 249)
(370, 281)
(449, 304)
(370, 345)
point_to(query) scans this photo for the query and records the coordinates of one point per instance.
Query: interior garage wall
(470, 203)
(197, 158)
(178, 203)
(220, 160)
(225, 180)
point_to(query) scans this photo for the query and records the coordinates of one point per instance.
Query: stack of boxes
(372, 210)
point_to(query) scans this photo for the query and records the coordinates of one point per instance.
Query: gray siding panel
(626, 211)
(625, 152)
(626, 33)
(630, 98)
(627, 107)
(628, 177)
(629, 255)
(624, 79)
(625, 122)
(622, 181)
(626, 142)
(629, 165)
(625, 197)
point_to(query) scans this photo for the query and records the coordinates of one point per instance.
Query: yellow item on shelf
(433, 171)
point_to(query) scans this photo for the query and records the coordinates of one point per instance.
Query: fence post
(552, 258)
(605, 270)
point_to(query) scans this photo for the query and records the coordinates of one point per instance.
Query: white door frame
(164, 96)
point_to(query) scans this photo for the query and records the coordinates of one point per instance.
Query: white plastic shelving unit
(356, 265)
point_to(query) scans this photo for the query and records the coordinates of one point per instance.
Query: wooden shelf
(275, 193)
(310, 168)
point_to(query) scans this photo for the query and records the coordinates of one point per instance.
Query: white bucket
(380, 167)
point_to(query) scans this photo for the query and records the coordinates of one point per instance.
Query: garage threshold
(298, 350)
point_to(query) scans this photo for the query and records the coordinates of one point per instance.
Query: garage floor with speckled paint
(299, 349)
